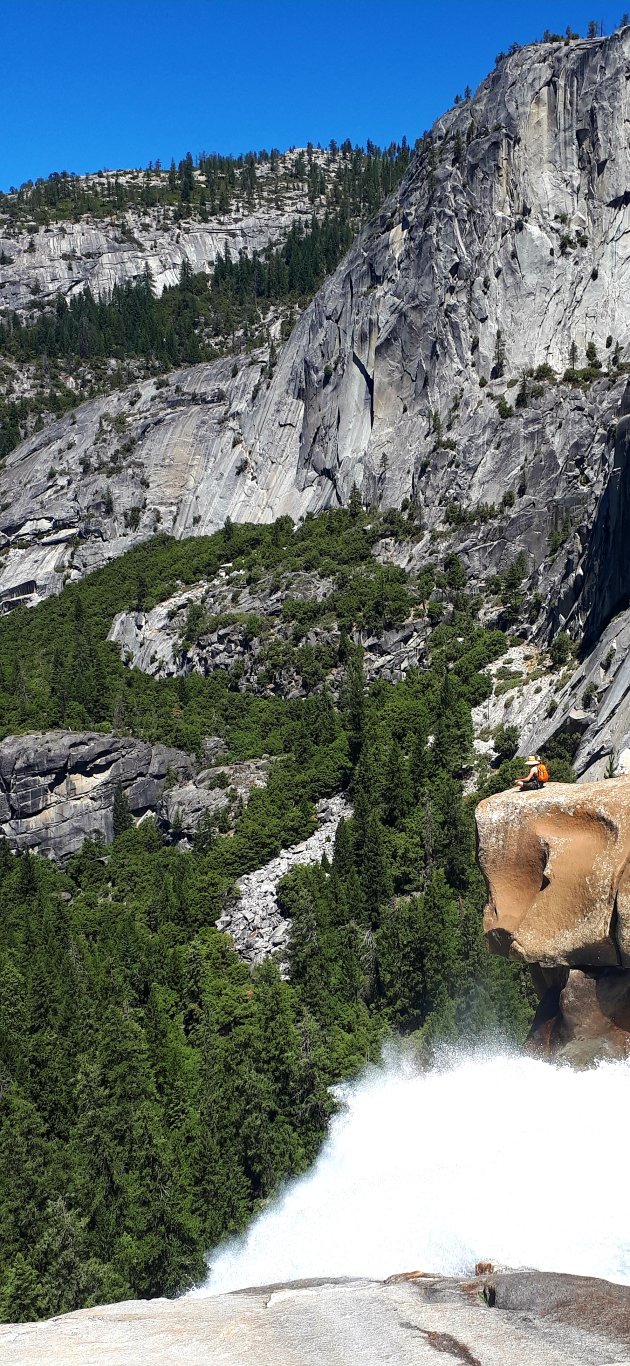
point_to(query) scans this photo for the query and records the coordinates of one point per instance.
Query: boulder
(557, 867)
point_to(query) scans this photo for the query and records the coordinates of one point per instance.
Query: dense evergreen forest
(154, 1091)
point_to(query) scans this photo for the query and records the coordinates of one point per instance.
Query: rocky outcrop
(57, 788)
(557, 867)
(583, 1015)
(254, 920)
(556, 864)
(249, 632)
(65, 257)
(503, 246)
(212, 790)
(527, 1317)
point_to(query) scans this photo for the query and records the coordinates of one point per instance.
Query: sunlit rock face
(114, 248)
(57, 788)
(504, 244)
(557, 867)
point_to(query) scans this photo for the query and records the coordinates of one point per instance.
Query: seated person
(536, 777)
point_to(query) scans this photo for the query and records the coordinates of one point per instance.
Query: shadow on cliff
(607, 567)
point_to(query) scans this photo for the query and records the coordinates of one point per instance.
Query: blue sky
(89, 84)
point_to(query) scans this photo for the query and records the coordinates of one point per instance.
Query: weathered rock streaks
(511, 220)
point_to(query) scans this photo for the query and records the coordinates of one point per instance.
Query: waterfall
(489, 1156)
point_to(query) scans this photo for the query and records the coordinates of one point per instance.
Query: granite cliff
(501, 251)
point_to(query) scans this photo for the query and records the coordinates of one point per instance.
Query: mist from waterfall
(486, 1157)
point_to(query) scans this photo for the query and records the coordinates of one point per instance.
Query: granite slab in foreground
(524, 1318)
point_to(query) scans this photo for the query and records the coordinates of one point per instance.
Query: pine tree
(22, 1297)
(453, 730)
(122, 818)
(355, 503)
(498, 369)
(396, 789)
(375, 873)
(353, 701)
(440, 943)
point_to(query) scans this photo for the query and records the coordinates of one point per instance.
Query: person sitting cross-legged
(537, 776)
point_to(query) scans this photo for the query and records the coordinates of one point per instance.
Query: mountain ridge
(366, 390)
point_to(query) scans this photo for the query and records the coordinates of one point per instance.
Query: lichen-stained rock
(557, 864)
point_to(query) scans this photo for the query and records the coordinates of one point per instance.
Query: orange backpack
(543, 776)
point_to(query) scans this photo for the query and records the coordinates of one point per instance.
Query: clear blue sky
(87, 84)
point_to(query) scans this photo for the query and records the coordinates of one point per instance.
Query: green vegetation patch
(154, 1091)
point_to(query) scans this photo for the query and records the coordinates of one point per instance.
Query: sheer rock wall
(513, 219)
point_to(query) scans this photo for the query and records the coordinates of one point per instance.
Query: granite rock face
(607, 575)
(57, 788)
(591, 707)
(556, 864)
(520, 1317)
(159, 457)
(503, 245)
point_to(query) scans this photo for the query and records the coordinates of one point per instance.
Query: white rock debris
(255, 922)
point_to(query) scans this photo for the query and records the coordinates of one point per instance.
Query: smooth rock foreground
(557, 865)
(511, 1319)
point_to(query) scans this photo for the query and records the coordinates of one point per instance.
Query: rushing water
(490, 1157)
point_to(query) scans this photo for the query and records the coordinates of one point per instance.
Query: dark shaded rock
(586, 1019)
(57, 788)
(607, 565)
